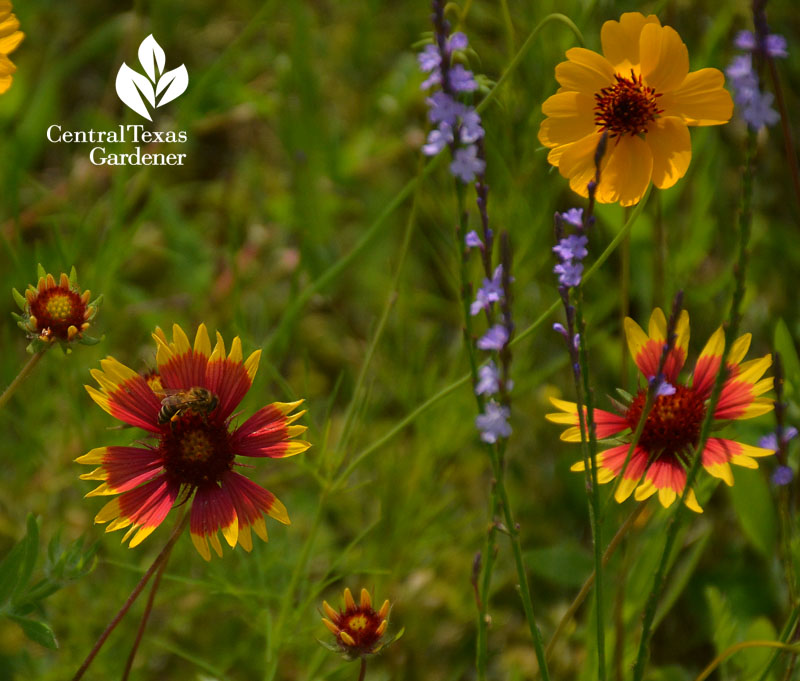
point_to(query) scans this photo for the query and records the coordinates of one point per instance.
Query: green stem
(589, 439)
(387, 308)
(786, 126)
(730, 335)
(518, 338)
(22, 375)
(786, 633)
(279, 338)
(145, 617)
(160, 558)
(489, 556)
(294, 581)
(719, 659)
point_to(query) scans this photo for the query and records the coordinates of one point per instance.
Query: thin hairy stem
(160, 558)
(362, 674)
(587, 585)
(145, 616)
(22, 375)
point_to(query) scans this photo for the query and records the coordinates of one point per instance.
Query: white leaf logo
(137, 91)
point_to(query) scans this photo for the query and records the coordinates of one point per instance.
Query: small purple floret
(572, 247)
(574, 217)
(494, 339)
(782, 475)
(462, 80)
(493, 423)
(569, 273)
(466, 164)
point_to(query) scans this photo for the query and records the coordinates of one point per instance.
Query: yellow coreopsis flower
(10, 38)
(641, 92)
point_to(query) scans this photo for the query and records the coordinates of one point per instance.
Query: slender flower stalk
(161, 558)
(571, 250)
(22, 375)
(148, 608)
(763, 41)
(458, 126)
(740, 272)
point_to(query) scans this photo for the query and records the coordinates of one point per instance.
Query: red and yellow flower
(56, 311)
(10, 38)
(188, 413)
(641, 92)
(672, 428)
(359, 629)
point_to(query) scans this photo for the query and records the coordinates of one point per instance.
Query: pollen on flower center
(57, 309)
(196, 451)
(59, 306)
(628, 106)
(673, 424)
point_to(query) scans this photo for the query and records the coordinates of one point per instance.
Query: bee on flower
(56, 311)
(641, 92)
(672, 428)
(187, 409)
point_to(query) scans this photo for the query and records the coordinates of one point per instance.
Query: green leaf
(31, 551)
(756, 510)
(723, 623)
(10, 569)
(19, 299)
(40, 271)
(784, 344)
(753, 660)
(36, 631)
(567, 564)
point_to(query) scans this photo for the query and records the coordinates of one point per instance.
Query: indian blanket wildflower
(640, 90)
(672, 428)
(56, 311)
(360, 630)
(194, 445)
(10, 38)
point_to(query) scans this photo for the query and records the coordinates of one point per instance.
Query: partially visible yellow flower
(10, 38)
(640, 91)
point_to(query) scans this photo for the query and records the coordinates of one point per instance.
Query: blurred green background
(304, 122)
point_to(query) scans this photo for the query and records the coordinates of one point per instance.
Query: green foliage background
(305, 121)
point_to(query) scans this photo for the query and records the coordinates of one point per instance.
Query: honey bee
(178, 402)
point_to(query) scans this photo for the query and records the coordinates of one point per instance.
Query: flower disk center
(196, 451)
(627, 107)
(57, 309)
(362, 626)
(673, 424)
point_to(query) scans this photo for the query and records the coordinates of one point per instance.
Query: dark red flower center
(627, 107)
(56, 309)
(673, 424)
(362, 625)
(196, 450)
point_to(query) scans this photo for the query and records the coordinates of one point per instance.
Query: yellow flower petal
(700, 99)
(570, 118)
(664, 57)
(671, 146)
(576, 162)
(584, 71)
(627, 173)
(620, 39)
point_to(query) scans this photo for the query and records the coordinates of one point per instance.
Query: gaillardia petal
(671, 432)
(186, 406)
